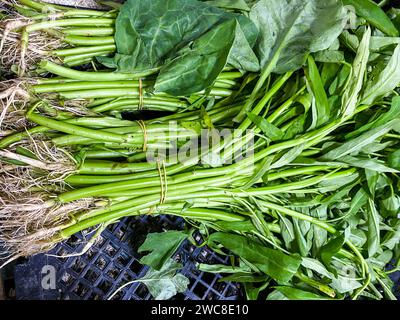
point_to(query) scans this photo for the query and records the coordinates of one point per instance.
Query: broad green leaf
(318, 91)
(390, 206)
(394, 159)
(373, 221)
(197, 68)
(266, 127)
(252, 291)
(297, 294)
(161, 246)
(386, 81)
(330, 56)
(392, 238)
(329, 250)
(351, 93)
(274, 263)
(358, 237)
(165, 283)
(242, 56)
(151, 32)
(290, 30)
(230, 4)
(317, 266)
(345, 284)
(371, 12)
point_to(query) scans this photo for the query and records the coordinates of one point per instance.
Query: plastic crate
(113, 261)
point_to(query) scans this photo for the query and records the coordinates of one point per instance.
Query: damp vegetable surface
(303, 193)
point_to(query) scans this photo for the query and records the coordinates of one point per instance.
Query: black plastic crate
(113, 261)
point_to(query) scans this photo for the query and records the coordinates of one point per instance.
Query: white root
(28, 232)
(15, 52)
(50, 166)
(13, 99)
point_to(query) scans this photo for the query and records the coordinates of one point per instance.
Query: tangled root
(50, 166)
(76, 107)
(16, 52)
(13, 100)
(31, 224)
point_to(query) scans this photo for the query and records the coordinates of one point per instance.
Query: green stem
(89, 32)
(74, 22)
(89, 75)
(84, 50)
(88, 41)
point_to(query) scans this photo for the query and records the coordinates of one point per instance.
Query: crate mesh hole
(113, 261)
(80, 290)
(91, 276)
(67, 279)
(105, 286)
(101, 263)
(200, 290)
(78, 266)
(113, 273)
(141, 291)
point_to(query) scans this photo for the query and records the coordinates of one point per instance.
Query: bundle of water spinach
(283, 153)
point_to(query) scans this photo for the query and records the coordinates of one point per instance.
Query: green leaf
(394, 159)
(331, 249)
(274, 263)
(300, 239)
(318, 91)
(288, 157)
(371, 164)
(371, 12)
(358, 143)
(162, 246)
(242, 56)
(221, 268)
(351, 93)
(150, 32)
(297, 294)
(198, 67)
(229, 4)
(392, 238)
(385, 82)
(165, 283)
(373, 219)
(330, 56)
(266, 127)
(245, 278)
(290, 30)
(372, 179)
(317, 266)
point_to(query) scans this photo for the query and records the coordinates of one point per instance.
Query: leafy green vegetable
(297, 294)
(386, 81)
(162, 246)
(373, 228)
(290, 30)
(151, 32)
(165, 283)
(274, 263)
(197, 68)
(329, 250)
(370, 11)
